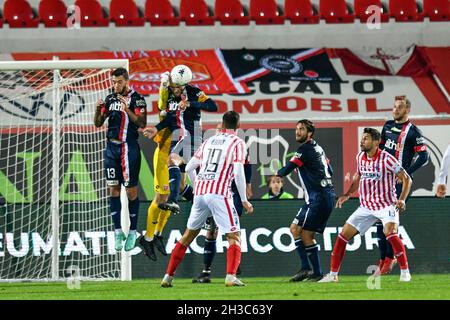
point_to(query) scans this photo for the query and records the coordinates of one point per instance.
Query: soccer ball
(181, 75)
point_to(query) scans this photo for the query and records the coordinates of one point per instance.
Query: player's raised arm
(101, 113)
(353, 187)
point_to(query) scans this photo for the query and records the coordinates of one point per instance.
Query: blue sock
(382, 242)
(133, 208)
(115, 207)
(302, 253)
(174, 183)
(209, 253)
(188, 193)
(313, 256)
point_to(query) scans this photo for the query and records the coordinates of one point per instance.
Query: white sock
(117, 231)
(132, 232)
(404, 271)
(333, 273)
(148, 239)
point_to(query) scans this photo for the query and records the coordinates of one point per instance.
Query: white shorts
(362, 219)
(220, 208)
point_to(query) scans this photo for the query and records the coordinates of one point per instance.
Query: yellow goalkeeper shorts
(161, 177)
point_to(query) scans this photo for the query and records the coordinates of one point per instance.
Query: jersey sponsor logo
(215, 142)
(173, 106)
(420, 148)
(206, 176)
(112, 182)
(115, 106)
(390, 144)
(141, 103)
(370, 175)
(420, 140)
(394, 129)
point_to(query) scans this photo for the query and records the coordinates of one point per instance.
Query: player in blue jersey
(126, 112)
(314, 172)
(402, 139)
(183, 118)
(211, 228)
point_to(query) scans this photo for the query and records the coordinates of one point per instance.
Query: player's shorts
(161, 178)
(211, 225)
(186, 147)
(122, 163)
(363, 218)
(314, 215)
(398, 191)
(216, 206)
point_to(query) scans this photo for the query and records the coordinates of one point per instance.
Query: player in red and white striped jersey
(221, 160)
(375, 180)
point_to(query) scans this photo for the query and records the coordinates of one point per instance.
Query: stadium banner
(282, 84)
(267, 246)
(270, 146)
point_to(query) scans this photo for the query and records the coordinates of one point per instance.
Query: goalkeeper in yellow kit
(157, 218)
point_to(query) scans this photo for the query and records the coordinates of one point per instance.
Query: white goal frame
(56, 66)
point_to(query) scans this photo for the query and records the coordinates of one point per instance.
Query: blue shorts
(122, 164)
(314, 216)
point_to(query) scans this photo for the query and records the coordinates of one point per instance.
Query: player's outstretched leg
(336, 259)
(305, 270)
(133, 208)
(233, 261)
(115, 209)
(400, 254)
(208, 257)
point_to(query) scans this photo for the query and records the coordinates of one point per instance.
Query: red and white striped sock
(399, 250)
(338, 253)
(176, 257)
(233, 258)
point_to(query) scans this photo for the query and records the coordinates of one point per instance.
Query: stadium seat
(437, 10)
(300, 11)
(125, 13)
(335, 11)
(53, 13)
(160, 13)
(363, 14)
(19, 14)
(265, 12)
(230, 12)
(195, 13)
(92, 14)
(404, 10)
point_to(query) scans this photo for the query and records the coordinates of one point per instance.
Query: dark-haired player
(125, 110)
(221, 160)
(315, 173)
(374, 179)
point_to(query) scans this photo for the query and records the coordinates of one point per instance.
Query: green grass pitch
(424, 286)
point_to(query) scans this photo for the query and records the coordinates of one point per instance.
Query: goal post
(56, 219)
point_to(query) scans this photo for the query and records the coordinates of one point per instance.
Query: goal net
(54, 212)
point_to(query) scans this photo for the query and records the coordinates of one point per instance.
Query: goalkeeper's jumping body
(126, 112)
(178, 135)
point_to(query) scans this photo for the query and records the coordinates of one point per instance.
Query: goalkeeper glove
(165, 79)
